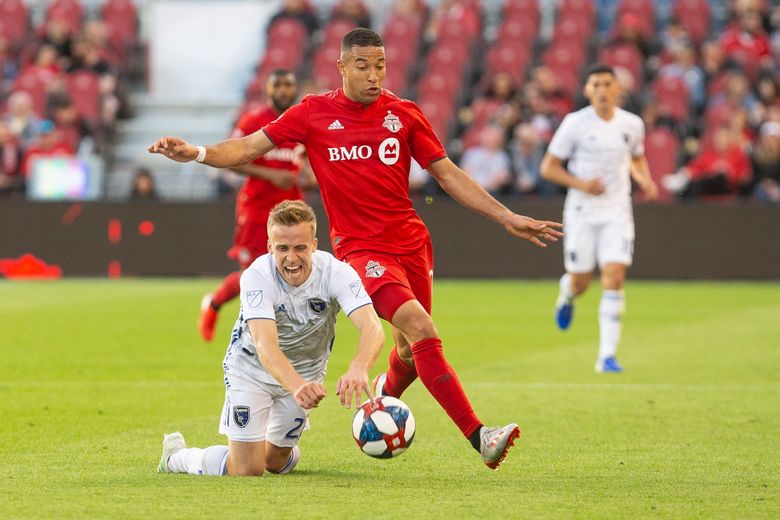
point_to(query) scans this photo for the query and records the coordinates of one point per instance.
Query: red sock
(227, 290)
(399, 375)
(442, 383)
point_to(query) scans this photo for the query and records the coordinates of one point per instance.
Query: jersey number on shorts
(296, 431)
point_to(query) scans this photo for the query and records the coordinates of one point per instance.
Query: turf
(93, 372)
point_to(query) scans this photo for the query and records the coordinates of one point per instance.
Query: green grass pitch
(93, 372)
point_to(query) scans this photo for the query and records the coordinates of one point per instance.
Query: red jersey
(287, 156)
(361, 157)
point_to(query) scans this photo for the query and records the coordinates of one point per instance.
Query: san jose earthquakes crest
(317, 305)
(241, 416)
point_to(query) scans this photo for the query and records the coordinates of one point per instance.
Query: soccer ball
(383, 427)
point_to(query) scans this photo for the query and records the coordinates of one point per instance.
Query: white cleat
(172, 443)
(495, 442)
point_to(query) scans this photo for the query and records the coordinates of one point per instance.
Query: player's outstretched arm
(307, 394)
(225, 154)
(468, 192)
(354, 383)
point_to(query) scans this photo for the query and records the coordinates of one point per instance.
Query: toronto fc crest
(374, 269)
(392, 122)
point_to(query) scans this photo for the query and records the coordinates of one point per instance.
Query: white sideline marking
(628, 386)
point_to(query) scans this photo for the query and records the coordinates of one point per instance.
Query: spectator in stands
(58, 36)
(488, 163)
(498, 106)
(736, 93)
(721, 169)
(21, 119)
(747, 43)
(462, 13)
(48, 144)
(354, 10)
(766, 163)
(70, 126)
(10, 157)
(674, 36)
(547, 82)
(8, 68)
(45, 66)
(87, 56)
(684, 67)
(527, 149)
(629, 31)
(627, 100)
(712, 59)
(144, 186)
(300, 10)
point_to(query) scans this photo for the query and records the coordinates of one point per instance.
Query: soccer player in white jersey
(604, 147)
(275, 363)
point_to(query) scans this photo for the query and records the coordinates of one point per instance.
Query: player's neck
(605, 113)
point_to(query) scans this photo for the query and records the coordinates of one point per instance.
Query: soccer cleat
(208, 318)
(609, 364)
(379, 384)
(564, 312)
(495, 442)
(172, 442)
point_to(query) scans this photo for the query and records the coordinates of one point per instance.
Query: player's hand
(309, 395)
(534, 230)
(284, 180)
(593, 186)
(352, 386)
(174, 148)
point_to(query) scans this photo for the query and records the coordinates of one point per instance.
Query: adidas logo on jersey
(336, 125)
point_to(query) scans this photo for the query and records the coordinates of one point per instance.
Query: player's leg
(178, 458)
(615, 250)
(579, 261)
(286, 424)
(212, 302)
(401, 371)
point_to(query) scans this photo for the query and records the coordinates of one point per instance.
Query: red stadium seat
(694, 16)
(14, 21)
(439, 114)
(661, 149)
(446, 56)
(121, 19)
(577, 8)
(528, 9)
(518, 31)
(288, 32)
(36, 88)
(439, 85)
(509, 59)
(84, 89)
(673, 97)
(573, 29)
(336, 29)
(71, 12)
(627, 56)
(644, 9)
(564, 57)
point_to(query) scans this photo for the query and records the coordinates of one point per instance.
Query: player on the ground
(275, 362)
(604, 147)
(360, 140)
(271, 178)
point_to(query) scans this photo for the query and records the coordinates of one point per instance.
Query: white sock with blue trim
(199, 461)
(611, 310)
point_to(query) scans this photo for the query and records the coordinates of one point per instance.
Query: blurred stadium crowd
(494, 77)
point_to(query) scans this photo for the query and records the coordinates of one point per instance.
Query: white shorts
(587, 241)
(255, 411)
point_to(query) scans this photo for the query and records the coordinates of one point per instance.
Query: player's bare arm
(354, 382)
(307, 394)
(640, 172)
(225, 154)
(552, 169)
(281, 178)
(469, 193)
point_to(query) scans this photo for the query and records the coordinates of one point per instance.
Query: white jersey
(305, 315)
(598, 148)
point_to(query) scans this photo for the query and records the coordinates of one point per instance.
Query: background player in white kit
(279, 348)
(604, 147)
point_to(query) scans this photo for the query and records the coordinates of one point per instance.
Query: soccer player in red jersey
(271, 178)
(360, 140)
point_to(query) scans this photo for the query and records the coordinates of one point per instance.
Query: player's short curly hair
(361, 37)
(292, 212)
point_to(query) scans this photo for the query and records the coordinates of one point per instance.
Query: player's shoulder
(319, 98)
(629, 117)
(391, 100)
(262, 270)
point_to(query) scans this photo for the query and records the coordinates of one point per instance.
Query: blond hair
(292, 212)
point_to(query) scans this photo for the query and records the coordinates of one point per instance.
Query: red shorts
(250, 238)
(392, 279)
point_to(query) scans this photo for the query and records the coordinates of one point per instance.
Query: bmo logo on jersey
(389, 152)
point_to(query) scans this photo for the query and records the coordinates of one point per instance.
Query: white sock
(198, 461)
(611, 310)
(565, 287)
(295, 456)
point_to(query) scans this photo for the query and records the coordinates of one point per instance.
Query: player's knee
(248, 470)
(419, 328)
(579, 284)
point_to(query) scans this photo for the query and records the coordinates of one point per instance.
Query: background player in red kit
(360, 140)
(271, 178)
